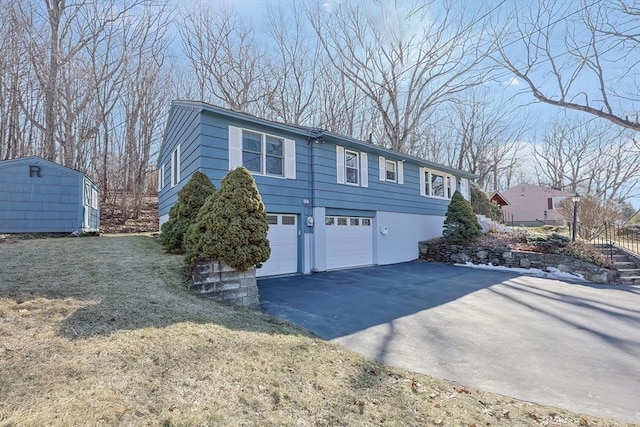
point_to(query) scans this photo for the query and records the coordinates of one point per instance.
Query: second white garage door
(283, 239)
(349, 241)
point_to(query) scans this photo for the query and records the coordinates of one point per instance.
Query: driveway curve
(575, 346)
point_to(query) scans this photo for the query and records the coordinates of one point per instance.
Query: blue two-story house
(332, 201)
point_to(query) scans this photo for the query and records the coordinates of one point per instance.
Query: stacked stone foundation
(220, 282)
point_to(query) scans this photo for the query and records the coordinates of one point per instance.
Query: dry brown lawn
(100, 331)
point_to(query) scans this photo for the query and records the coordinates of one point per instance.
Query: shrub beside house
(228, 240)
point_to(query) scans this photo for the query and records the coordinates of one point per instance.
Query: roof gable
(31, 160)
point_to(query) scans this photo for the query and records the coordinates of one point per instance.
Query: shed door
(283, 239)
(349, 241)
(86, 204)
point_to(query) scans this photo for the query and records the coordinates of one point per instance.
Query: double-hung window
(261, 153)
(352, 167)
(436, 184)
(391, 170)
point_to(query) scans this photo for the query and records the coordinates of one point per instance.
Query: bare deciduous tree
(589, 157)
(228, 65)
(483, 136)
(593, 213)
(296, 67)
(583, 56)
(406, 58)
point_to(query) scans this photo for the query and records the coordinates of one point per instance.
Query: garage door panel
(283, 240)
(349, 242)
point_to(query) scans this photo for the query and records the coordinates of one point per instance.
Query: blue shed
(39, 196)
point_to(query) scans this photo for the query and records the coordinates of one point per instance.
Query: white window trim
(341, 167)
(424, 181)
(288, 154)
(161, 177)
(94, 199)
(175, 166)
(357, 154)
(399, 165)
(464, 188)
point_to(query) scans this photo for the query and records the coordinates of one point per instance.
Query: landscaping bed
(525, 250)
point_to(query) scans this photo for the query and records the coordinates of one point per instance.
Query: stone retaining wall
(222, 283)
(505, 257)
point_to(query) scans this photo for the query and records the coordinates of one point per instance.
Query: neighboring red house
(530, 205)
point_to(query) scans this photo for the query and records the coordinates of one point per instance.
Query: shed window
(87, 194)
(94, 198)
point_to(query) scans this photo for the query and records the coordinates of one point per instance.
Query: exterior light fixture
(576, 199)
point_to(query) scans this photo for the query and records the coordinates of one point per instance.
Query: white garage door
(349, 241)
(283, 239)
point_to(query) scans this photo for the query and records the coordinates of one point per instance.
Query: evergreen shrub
(461, 224)
(231, 226)
(190, 199)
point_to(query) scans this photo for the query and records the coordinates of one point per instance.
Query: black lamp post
(576, 199)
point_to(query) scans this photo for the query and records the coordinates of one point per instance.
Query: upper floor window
(161, 177)
(436, 184)
(351, 167)
(262, 153)
(390, 167)
(175, 166)
(391, 170)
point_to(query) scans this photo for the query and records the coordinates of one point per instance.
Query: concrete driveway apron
(570, 345)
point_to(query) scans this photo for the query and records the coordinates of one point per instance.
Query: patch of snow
(551, 273)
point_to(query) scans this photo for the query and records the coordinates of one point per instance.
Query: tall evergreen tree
(184, 213)
(232, 225)
(461, 224)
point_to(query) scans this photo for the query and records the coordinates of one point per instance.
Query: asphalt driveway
(575, 346)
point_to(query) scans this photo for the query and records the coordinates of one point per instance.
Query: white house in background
(531, 205)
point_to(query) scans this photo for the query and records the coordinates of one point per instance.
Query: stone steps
(630, 280)
(627, 265)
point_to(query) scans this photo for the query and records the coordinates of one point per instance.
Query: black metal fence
(627, 237)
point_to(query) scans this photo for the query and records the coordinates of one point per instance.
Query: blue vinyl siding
(379, 195)
(52, 202)
(203, 135)
(279, 195)
(183, 128)
(204, 143)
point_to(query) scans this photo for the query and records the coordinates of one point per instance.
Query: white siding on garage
(283, 239)
(403, 232)
(349, 241)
